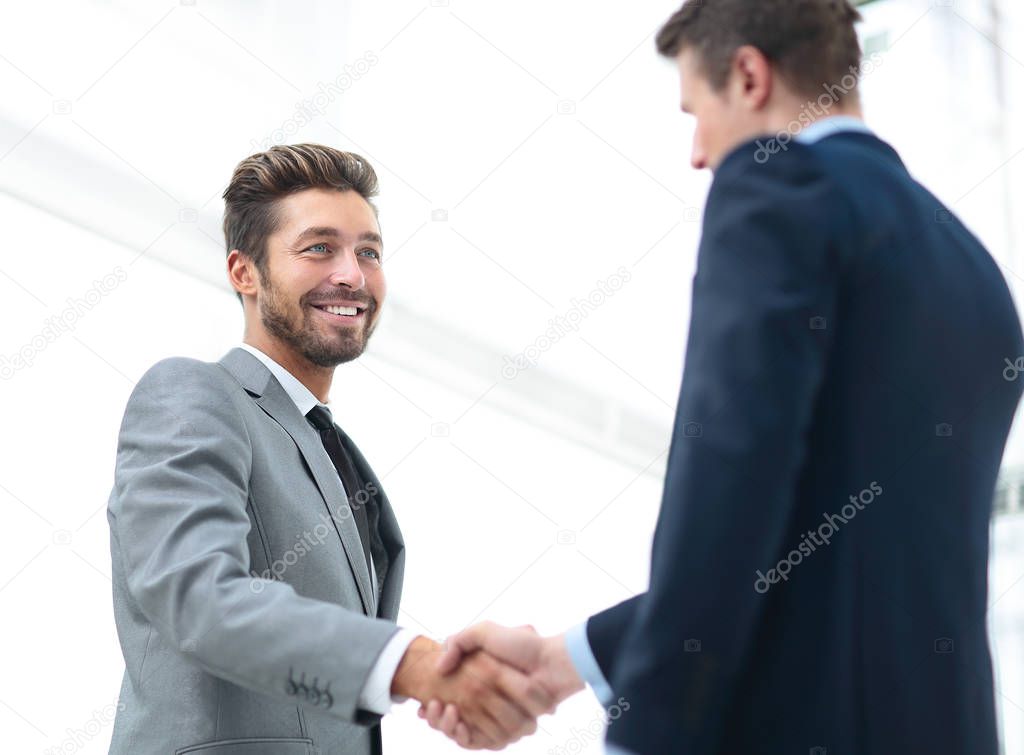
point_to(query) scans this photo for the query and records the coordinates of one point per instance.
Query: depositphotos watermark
(819, 537)
(593, 732)
(1013, 369)
(308, 110)
(815, 109)
(58, 325)
(78, 738)
(322, 531)
(562, 325)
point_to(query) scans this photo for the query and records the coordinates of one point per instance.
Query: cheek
(713, 126)
(291, 293)
(703, 136)
(377, 284)
(699, 138)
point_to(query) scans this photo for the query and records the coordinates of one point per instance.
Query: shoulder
(183, 371)
(179, 400)
(183, 382)
(765, 169)
(784, 190)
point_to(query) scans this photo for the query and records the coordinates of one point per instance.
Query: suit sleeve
(179, 517)
(606, 629)
(764, 300)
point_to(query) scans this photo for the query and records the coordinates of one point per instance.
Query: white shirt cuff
(376, 696)
(583, 660)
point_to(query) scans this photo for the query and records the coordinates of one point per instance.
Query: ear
(752, 78)
(242, 273)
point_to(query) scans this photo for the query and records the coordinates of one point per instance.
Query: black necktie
(320, 416)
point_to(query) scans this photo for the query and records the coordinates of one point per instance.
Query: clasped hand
(486, 688)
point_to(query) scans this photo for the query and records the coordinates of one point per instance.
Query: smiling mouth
(341, 313)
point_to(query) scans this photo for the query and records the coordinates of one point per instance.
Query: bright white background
(526, 153)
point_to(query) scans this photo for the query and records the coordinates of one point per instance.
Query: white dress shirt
(375, 696)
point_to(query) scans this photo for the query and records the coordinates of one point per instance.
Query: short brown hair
(260, 180)
(812, 43)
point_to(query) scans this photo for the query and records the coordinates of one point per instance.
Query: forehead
(347, 211)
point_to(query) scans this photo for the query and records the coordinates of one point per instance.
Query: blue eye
(315, 246)
(374, 252)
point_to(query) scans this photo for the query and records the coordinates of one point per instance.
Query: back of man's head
(811, 43)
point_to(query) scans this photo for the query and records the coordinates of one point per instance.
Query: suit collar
(835, 124)
(299, 393)
(868, 140)
(249, 371)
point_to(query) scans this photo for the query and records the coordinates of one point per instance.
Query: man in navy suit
(818, 576)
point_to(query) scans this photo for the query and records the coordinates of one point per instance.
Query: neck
(316, 378)
(783, 118)
(849, 111)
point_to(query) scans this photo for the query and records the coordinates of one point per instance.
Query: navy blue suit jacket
(819, 569)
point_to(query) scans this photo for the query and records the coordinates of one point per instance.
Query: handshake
(488, 685)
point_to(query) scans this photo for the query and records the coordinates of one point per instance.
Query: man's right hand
(545, 660)
(497, 704)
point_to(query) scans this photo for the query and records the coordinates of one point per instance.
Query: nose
(698, 158)
(347, 272)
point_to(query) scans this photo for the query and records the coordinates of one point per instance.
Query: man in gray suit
(257, 563)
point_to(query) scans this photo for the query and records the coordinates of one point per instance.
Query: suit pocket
(251, 746)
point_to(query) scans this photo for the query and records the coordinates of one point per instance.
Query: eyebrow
(320, 231)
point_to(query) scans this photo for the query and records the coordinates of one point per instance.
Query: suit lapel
(272, 398)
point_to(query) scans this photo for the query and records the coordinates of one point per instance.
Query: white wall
(524, 157)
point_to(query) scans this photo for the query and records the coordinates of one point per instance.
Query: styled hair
(811, 43)
(259, 181)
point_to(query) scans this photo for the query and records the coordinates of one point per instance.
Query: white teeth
(352, 311)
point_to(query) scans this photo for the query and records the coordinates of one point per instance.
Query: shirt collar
(301, 395)
(831, 125)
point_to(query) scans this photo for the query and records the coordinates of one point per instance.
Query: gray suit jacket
(220, 478)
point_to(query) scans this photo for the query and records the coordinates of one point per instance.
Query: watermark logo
(559, 327)
(813, 110)
(78, 738)
(64, 322)
(1013, 369)
(309, 540)
(593, 732)
(815, 539)
(309, 109)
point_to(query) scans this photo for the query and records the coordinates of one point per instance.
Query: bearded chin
(307, 340)
(331, 352)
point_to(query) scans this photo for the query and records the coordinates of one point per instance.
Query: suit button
(290, 687)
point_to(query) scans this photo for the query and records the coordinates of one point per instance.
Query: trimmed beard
(305, 338)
